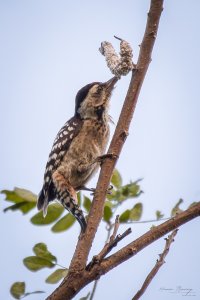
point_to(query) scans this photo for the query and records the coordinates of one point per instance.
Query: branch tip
(158, 265)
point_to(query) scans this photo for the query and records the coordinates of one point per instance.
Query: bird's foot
(102, 158)
(92, 190)
(84, 188)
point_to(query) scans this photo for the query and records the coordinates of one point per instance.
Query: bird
(77, 149)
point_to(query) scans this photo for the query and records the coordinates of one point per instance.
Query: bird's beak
(110, 84)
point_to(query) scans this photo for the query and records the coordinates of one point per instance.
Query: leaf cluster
(24, 200)
(41, 259)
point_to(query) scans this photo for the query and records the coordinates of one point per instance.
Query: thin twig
(157, 266)
(113, 241)
(148, 221)
(116, 227)
(61, 266)
(109, 228)
(94, 289)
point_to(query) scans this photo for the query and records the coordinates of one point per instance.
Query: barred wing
(61, 144)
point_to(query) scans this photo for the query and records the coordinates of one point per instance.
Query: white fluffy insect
(119, 65)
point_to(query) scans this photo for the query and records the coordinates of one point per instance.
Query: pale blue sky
(49, 50)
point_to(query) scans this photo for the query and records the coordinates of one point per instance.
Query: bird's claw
(102, 158)
(109, 190)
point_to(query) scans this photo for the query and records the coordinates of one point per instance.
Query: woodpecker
(76, 150)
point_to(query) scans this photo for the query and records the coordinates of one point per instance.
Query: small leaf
(108, 203)
(26, 207)
(131, 190)
(107, 213)
(35, 263)
(54, 212)
(26, 194)
(17, 289)
(124, 217)
(64, 223)
(115, 195)
(116, 179)
(19, 195)
(136, 212)
(176, 209)
(24, 200)
(56, 276)
(87, 203)
(159, 215)
(23, 206)
(41, 250)
(12, 196)
(125, 192)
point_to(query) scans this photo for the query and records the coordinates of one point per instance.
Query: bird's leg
(84, 166)
(66, 194)
(84, 188)
(109, 190)
(103, 157)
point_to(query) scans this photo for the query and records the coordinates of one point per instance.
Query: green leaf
(86, 297)
(17, 289)
(41, 250)
(124, 217)
(18, 195)
(26, 194)
(125, 192)
(24, 200)
(130, 190)
(64, 223)
(12, 196)
(35, 263)
(108, 203)
(56, 276)
(159, 215)
(107, 213)
(176, 209)
(116, 179)
(54, 212)
(87, 203)
(136, 212)
(23, 206)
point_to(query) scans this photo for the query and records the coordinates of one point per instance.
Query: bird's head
(92, 101)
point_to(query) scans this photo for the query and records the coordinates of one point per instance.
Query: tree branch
(113, 241)
(126, 253)
(157, 266)
(148, 238)
(71, 284)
